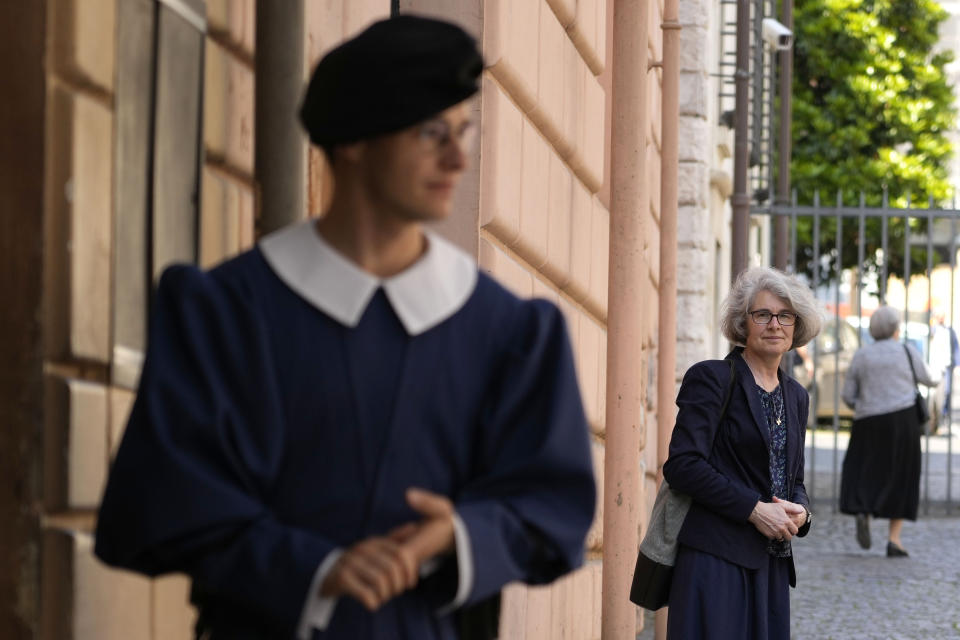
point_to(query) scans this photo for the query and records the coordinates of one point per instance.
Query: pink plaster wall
(534, 209)
(536, 213)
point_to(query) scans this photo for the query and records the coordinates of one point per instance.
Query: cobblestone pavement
(847, 593)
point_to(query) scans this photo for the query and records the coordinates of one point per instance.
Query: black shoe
(896, 551)
(863, 530)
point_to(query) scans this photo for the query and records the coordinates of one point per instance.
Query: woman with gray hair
(743, 467)
(881, 470)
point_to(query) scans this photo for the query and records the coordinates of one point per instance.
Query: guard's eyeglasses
(764, 316)
(436, 134)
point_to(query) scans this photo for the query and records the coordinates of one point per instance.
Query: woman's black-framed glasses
(764, 316)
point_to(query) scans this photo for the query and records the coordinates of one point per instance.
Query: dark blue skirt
(712, 599)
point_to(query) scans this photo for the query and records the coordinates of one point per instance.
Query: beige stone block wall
(233, 22)
(596, 299)
(541, 222)
(560, 204)
(508, 270)
(595, 535)
(171, 616)
(79, 233)
(544, 229)
(228, 210)
(121, 402)
(589, 32)
(75, 444)
(99, 603)
(228, 103)
(330, 22)
(581, 233)
(569, 609)
(587, 344)
(93, 601)
(84, 415)
(78, 596)
(82, 42)
(534, 171)
(548, 78)
(226, 216)
(500, 170)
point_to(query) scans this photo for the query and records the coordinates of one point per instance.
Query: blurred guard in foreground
(348, 431)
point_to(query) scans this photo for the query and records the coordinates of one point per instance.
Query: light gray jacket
(879, 379)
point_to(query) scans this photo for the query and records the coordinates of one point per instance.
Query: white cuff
(317, 610)
(464, 566)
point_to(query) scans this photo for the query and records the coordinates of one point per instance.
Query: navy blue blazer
(725, 467)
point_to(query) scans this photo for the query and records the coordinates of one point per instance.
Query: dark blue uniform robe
(266, 434)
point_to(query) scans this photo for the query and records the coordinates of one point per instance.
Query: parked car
(822, 366)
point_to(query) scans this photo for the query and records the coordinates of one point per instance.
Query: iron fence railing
(903, 245)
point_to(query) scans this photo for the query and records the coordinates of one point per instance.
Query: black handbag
(653, 573)
(919, 402)
(652, 577)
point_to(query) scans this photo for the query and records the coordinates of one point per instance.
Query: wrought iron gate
(855, 257)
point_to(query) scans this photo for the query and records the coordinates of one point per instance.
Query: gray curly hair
(884, 322)
(733, 315)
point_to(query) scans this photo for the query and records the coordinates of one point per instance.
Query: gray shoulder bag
(658, 551)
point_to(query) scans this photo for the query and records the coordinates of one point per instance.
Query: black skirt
(881, 471)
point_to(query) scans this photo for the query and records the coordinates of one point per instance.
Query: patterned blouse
(773, 409)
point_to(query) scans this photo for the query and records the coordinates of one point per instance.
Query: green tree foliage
(871, 107)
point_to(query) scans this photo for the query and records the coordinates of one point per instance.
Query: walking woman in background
(744, 472)
(881, 471)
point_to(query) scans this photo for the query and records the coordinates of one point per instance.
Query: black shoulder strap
(912, 370)
(726, 398)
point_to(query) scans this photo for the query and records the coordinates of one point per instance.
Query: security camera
(776, 35)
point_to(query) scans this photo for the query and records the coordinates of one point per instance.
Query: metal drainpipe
(669, 168)
(280, 151)
(740, 200)
(783, 179)
(629, 200)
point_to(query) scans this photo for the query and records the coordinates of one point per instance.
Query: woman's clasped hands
(778, 520)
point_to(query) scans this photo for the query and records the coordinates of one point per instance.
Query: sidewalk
(844, 592)
(848, 593)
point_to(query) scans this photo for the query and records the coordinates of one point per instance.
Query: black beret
(394, 74)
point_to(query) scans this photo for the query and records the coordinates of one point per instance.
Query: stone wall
(534, 209)
(544, 230)
(703, 256)
(96, 181)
